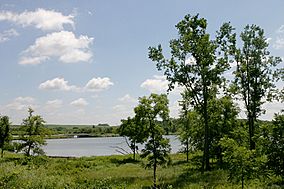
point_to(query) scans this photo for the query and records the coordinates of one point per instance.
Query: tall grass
(108, 172)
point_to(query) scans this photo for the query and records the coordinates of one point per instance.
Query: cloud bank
(42, 19)
(62, 45)
(7, 35)
(80, 103)
(57, 84)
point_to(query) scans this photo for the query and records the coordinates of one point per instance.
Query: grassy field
(108, 172)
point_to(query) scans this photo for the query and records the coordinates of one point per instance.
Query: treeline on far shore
(70, 131)
(57, 131)
(99, 130)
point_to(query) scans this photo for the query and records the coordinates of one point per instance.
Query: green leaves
(4, 132)
(273, 135)
(33, 135)
(201, 77)
(152, 108)
(255, 75)
(134, 129)
(150, 112)
(255, 72)
(243, 163)
(157, 151)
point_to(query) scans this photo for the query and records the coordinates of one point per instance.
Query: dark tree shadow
(124, 161)
(10, 159)
(194, 176)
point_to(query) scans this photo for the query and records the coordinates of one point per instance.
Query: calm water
(101, 146)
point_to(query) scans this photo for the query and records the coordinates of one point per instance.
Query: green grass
(107, 172)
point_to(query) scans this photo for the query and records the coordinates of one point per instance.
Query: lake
(100, 146)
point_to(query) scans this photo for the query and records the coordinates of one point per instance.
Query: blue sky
(86, 62)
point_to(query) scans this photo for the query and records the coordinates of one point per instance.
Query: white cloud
(54, 104)
(271, 108)
(95, 85)
(98, 84)
(32, 60)
(190, 60)
(229, 73)
(127, 104)
(157, 85)
(280, 29)
(95, 96)
(279, 43)
(127, 99)
(22, 103)
(268, 40)
(121, 108)
(125, 107)
(174, 108)
(62, 45)
(57, 84)
(40, 18)
(52, 109)
(7, 34)
(81, 102)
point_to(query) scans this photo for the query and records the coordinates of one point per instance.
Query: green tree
(202, 75)
(135, 132)
(190, 128)
(4, 132)
(33, 135)
(242, 162)
(149, 111)
(273, 144)
(173, 125)
(223, 119)
(256, 74)
(190, 133)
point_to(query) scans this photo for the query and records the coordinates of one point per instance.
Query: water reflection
(101, 146)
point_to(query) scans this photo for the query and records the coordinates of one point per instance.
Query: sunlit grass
(107, 172)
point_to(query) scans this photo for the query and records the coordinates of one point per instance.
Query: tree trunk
(134, 151)
(206, 157)
(187, 150)
(155, 161)
(219, 156)
(187, 140)
(29, 150)
(206, 130)
(249, 107)
(251, 132)
(154, 175)
(242, 179)
(2, 152)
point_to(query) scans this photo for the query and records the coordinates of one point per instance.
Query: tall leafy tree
(242, 162)
(190, 133)
(273, 144)
(256, 74)
(190, 129)
(4, 132)
(202, 75)
(135, 131)
(33, 135)
(223, 119)
(150, 111)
